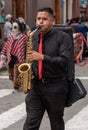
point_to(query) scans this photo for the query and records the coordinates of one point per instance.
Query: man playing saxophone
(49, 64)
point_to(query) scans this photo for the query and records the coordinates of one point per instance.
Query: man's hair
(46, 9)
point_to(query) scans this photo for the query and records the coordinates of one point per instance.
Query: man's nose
(41, 20)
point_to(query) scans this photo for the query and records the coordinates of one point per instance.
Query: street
(12, 106)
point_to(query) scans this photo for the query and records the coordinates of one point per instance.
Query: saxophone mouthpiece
(36, 27)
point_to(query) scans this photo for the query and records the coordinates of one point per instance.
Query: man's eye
(38, 18)
(44, 18)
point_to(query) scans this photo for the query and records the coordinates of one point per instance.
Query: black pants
(46, 96)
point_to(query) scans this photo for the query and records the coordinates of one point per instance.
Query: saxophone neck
(37, 28)
(30, 44)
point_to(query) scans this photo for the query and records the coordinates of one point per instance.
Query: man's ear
(53, 21)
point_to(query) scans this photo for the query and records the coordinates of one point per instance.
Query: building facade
(64, 9)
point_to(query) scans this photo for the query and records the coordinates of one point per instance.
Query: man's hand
(34, 55)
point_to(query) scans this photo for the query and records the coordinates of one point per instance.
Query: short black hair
(46, 9)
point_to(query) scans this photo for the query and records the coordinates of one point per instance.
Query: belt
(50, 80)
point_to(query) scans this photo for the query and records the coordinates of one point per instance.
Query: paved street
(12, 106)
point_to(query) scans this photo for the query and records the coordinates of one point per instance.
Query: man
(49, 91)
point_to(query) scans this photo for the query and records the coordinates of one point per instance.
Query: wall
(44, 3)
(33, 5)
(76, 8)
(8, 6)
(32, 9)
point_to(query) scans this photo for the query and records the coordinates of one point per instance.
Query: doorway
(18, 8)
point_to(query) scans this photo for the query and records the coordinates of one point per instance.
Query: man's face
(45, 20)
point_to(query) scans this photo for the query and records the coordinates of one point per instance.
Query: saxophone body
(25, 68)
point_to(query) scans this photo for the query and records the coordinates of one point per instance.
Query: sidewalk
(3, 72)
(78, 113)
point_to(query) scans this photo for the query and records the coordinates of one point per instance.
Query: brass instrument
(25, 68)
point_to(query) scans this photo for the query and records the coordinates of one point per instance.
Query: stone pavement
(78, 121)
(3, 72)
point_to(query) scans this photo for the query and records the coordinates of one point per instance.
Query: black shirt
(57, 51)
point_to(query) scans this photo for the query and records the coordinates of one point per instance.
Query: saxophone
(25, 68)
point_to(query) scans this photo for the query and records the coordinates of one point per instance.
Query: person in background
(67, 23)
(82, 27)
(49, 65)
(7, 26)
(25, 24)
(14, 52)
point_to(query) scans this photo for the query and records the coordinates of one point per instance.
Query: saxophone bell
(25, 69)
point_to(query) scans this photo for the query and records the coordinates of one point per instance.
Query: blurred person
(75, 20)
(82, 27)
(14, 52)
(7, 26)
(25, 24)
(49, 83)
(67, 22)
(2, 10)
